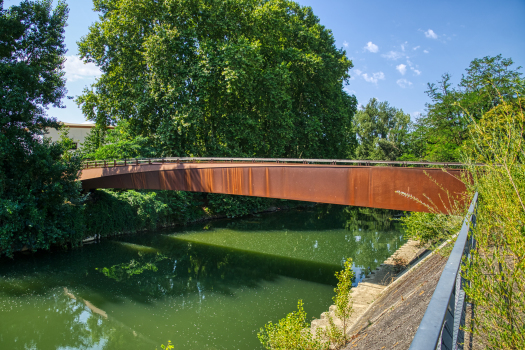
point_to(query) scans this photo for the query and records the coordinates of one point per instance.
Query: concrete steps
(368, 290)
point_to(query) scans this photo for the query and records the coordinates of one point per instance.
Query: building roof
(83, 125)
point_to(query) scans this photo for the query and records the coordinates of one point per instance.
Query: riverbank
(170, 210)
(110, 213)
(392, 321)
(389, 304)
(374, 285)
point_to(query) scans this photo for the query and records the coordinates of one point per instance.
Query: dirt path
(393, 319)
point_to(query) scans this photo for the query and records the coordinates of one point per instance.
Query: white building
(77, 132)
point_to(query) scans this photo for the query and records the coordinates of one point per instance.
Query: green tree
(220, 78)
(117, 143)
(37, 178)
(445, 126)
(382, 131)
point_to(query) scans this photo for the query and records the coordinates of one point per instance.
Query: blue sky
(397, 47)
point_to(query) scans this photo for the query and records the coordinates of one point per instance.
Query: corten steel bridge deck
(348, 182)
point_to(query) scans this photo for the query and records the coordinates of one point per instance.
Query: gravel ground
(392, 321)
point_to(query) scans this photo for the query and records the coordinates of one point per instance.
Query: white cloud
(371, 47)
(430, 34)
(403, 83)
(425, 51)
(393, 55)
(402, 68)
(415, 71)
(415, 48)
(76, 69)
(345, 44)
(374, 78)
(357, 71)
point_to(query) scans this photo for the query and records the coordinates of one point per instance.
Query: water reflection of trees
(185, 268)
(120, 272)
(372, 232)
(64, 322)
(190, 267)
(114, 273)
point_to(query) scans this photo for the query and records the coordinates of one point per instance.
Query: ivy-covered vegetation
(111, 212)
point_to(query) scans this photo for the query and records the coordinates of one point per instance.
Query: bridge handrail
(440, 326)
(140, 161)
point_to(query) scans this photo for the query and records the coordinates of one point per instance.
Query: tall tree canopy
(220, 77)
(382, 131)
(36, 183)
(487, 82)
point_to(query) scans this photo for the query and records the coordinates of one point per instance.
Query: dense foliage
(38, 193)
(382, 131)
(111, 212)
(343, 299)
(220, 78)
(497, 273)
(117, 143)
(486, 83)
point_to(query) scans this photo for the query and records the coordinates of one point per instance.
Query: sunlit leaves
(221, 78)
(383, 131)
(487, 81)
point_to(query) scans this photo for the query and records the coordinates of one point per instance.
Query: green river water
(210, 285)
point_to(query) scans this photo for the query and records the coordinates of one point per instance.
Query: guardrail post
(114, 162)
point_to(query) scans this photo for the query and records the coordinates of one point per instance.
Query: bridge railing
(441, 325)
(142, 161)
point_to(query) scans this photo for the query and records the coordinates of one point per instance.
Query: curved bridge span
(336, 182)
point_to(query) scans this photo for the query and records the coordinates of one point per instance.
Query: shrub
(291, 332)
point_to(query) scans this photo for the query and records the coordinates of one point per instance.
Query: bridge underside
(366, 186)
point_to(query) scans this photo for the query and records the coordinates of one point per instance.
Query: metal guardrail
(445, 315)
(137, 161)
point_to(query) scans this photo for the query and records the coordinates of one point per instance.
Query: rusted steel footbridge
(376, 184)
